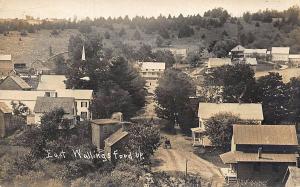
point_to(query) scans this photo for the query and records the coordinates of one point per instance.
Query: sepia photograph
(140, 93)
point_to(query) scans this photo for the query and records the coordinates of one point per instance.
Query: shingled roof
(116, 137)
(234, 157)
(20, 82)
(238, 48)
(46, 104)
(245, 111)
(265, 134)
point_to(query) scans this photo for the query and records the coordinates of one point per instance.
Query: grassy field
(34, 46)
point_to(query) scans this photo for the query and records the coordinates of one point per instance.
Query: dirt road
(175, 160)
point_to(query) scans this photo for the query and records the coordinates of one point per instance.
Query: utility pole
(186, 169)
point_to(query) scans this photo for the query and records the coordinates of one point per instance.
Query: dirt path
(175, 160)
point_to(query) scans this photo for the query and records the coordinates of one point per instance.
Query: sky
(116, 8)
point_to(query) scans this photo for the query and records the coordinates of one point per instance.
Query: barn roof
(245, 111)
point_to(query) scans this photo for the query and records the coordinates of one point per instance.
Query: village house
(252, 62)
(14, 82)
(237, 52)
(247, 112)
(294, 60)
(5, 118)
(104, 128)
(280, 55)
(261, 152)
(6, 66)
(151, 72)
(255, 53)
(47, 104)
(218, 62)
(83, 99)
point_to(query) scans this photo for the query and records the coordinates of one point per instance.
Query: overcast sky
(115, 8)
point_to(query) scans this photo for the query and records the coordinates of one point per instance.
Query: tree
(143, 137)
(165, 56)
(237, 83)
(137, 35)
(247, 17)
(60, 65)
(122, 32)
(20, 109)
(194, 59)
(185, 31)
(218, 13)
(272, 92)
(172, 96)
(219, 129)
(294, 100)
(222, 47)
(159, 41)
(128, 79)
(106, 35)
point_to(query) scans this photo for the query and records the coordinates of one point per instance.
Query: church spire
(83, 54)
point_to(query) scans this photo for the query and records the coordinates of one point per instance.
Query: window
(83, 104)
(83, 115)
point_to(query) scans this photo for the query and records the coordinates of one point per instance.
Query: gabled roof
(265, 134)
(105, 121)
(251, 61)
(77, 94)
(245, 111)
(46, 104)
(238, 48)
(19, 81)
(153, 65)
(217, 62)
(253, 51)
(234, 157)
(4, 108)
(116, 137)
(5, 57)
(52, 82)
(281, 50)
(294, 56)
(19, 95)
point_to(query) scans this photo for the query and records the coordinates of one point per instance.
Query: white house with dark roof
(280, 54)
(250, 53)
(294, 59)
(47, 104)
(252, 112)
(83, 99)
(238, 51)
(151, 72)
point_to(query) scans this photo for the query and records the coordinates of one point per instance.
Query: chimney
(259, 152)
